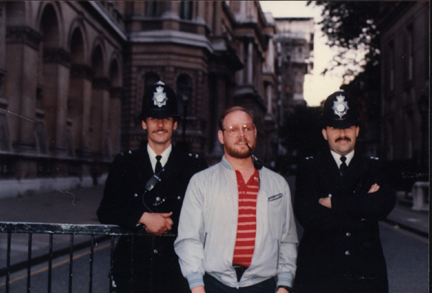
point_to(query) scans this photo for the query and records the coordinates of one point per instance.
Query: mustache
(343, 138)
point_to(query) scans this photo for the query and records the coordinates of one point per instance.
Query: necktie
(343, 166)
(158, 164)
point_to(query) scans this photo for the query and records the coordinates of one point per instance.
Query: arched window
(153, 9)
(184, 91)
(185, 10)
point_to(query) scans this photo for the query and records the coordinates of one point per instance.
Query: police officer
(340, 197)
(145, 190)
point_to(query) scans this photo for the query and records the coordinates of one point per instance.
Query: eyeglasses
(247, 128)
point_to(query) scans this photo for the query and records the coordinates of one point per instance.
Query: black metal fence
(97, 233)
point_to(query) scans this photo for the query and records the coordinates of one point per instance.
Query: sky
(316, 86)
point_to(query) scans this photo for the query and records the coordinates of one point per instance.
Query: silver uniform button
(179, 197)
(347, 252)
(348, 234)
(136, 194)
(155, 251)
(158, 198)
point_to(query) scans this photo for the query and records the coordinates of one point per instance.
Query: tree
(351, 27)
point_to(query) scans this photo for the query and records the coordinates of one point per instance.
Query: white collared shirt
(337, 157)
(163, 160)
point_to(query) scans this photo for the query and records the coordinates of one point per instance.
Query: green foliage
(351, 27)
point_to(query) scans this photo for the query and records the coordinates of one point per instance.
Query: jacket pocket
(275, 214)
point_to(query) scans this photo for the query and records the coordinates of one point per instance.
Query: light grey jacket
(208, 228)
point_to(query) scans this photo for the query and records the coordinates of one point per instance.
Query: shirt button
(347, 252)
(348, 234)
(136, 195)
(155, 251)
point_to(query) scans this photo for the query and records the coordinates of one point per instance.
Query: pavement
(79, 207)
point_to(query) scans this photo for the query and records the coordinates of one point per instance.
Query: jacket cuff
(284, 279)
(195, 280)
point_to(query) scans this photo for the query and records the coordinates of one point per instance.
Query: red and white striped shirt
(246, 225)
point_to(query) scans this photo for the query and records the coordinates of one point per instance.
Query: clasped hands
(326, 201)
(156, 223)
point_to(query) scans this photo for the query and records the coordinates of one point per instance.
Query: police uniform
(155, 264)
(340, 250)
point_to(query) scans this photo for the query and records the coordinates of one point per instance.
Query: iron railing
(97, 233)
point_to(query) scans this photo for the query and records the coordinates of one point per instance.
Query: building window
(153, 9)
(4, 133)
(409, 53)
(409, 135)
(390, 75)
(185, 10)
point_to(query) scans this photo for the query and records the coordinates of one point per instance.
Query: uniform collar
(152, 156)
(337, 157)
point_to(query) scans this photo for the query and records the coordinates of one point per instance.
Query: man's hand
(325, 201)
(156, 223)
(282, 290)
(199, 289)
(374, 188)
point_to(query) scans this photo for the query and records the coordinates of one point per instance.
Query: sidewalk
(406, 218)
(76, 206)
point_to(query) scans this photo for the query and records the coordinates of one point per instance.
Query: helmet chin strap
(258, 164)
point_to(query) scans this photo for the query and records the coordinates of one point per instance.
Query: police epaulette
(123, 153)
(309, 158)
(374, 158)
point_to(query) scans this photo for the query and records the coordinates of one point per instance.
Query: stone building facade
(72, 75)
(405, 88)
(295, 45)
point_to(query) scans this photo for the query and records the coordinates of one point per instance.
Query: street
(406, 254)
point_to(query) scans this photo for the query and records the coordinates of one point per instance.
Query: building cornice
(172, 37)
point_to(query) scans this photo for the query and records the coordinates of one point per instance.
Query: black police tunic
(340, 250)
(155, 264)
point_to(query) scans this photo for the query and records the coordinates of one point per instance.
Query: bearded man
(236, 230)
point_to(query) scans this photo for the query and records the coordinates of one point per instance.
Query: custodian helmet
(340, 110)
(159, 101)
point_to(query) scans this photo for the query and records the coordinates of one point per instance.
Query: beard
(239, 154)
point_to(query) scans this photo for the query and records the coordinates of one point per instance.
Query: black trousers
(148, 272)
(214, 286)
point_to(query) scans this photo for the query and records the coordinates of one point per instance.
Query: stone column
(250, 63)
(200, 11)
(21, 58)
(115, 119)
(55, 100)
(240, 73)
(269, 90)
(99, 130)
(170, 9)
(80, 92)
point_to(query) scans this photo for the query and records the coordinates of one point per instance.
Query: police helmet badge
(340, 107)
(159, 96)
